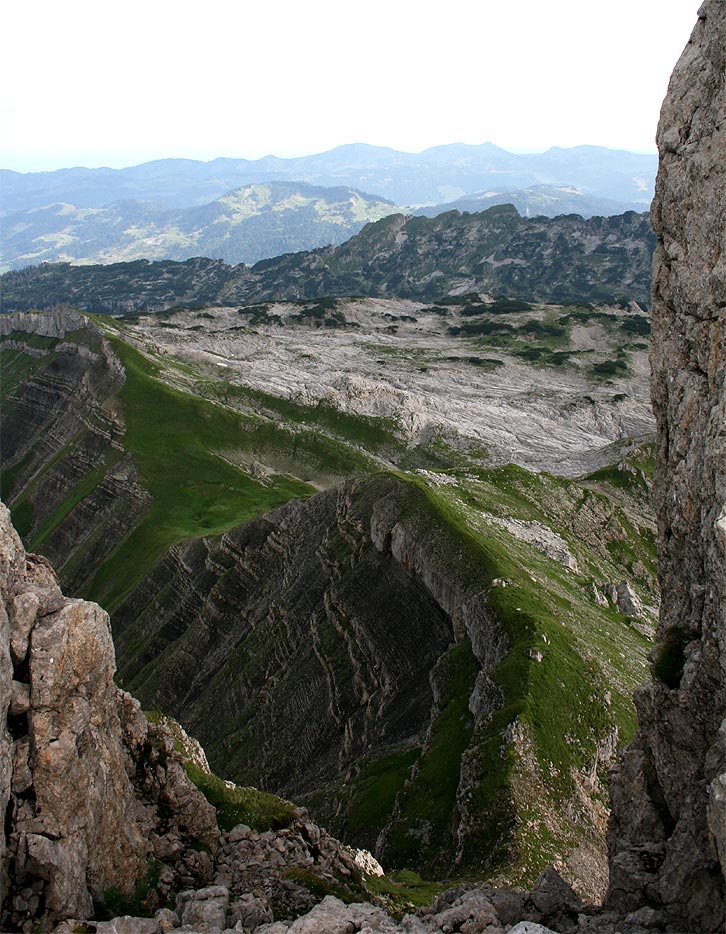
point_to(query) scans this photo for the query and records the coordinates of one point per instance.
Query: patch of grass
(375, 790)
(8, 475)
(505, 306)
(481, 327)
(258, 809)
(17, 367)
(621, 477)
(403, 891)
(422, 830)
(485, 363)
(635, 324)
(82, 489)
(37, 341)
(607, 369)
(22, 514)
(368, 433)
(173, 438)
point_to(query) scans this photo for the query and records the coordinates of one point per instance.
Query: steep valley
(444, 627)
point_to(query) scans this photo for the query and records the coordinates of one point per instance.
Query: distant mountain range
(434, 176)
(536, 201)
(246, 211)
(243, 226)
(565, 259)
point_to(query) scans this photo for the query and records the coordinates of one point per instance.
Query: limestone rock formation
(668, 828)
(329, 624)
(92, 794)
(62, 430)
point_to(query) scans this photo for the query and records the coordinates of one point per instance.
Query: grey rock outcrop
(274, 867)
(668, 829)
(92, 794)
(57, 322)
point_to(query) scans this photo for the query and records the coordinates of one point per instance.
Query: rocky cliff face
(668, 829)
(62, 430)
(92, 795)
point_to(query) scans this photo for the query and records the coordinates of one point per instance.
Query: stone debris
(274, 865)
(541, 537)
(622, 596)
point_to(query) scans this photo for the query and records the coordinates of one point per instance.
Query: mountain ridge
(243, 225)
(409, 178)
(564, 259)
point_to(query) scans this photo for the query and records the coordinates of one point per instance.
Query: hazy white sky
(105, 83)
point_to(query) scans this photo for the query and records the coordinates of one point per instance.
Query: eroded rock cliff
(307, 646)
(91, 793)
(668, 828)
(62, 433)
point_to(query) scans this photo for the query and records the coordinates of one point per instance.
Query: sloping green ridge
(179, 443)
(173, 437)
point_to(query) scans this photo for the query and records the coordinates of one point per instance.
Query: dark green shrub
(668, 665)
(115, 904)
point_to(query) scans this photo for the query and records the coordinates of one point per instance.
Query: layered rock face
(62, 431)
(668, 828)
(305, 645)
(92, 794)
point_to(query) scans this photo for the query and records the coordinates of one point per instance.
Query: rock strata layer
(61, 432)
(326, 624)
(668, 828)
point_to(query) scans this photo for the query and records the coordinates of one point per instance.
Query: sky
(118, 83)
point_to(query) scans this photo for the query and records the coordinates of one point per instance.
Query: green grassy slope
(565, 687)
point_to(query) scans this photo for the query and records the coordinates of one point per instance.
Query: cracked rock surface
(668, 829)
(91, 793)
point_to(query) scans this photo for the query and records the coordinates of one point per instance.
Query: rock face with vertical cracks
(668, 828)
(92, 795)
